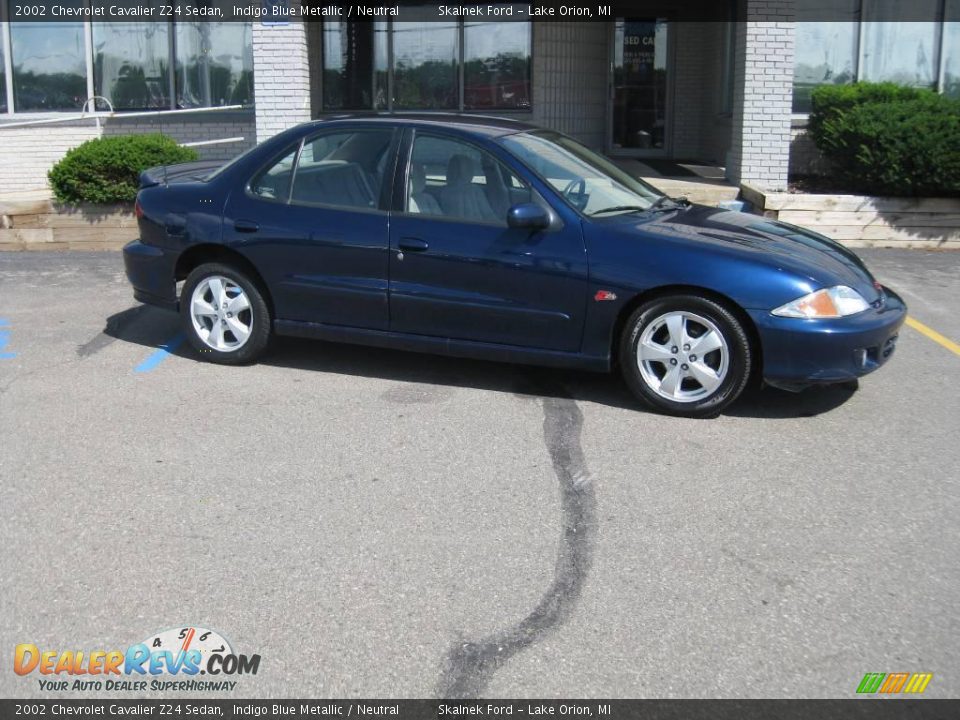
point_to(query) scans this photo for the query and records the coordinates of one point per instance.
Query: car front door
(458, 271)
(314, 222)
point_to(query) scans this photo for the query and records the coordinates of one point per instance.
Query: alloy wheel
(221, 313)
(683, 356)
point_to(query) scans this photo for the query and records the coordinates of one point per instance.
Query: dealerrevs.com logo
(166, 661)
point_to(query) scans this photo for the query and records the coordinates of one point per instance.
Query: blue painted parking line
(160, 354)
(5, 339)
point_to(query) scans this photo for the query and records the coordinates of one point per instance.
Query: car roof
(481, 124)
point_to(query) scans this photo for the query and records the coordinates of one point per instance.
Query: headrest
(418, 179)
(460, 170)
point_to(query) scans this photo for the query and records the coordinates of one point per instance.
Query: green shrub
(884, 139)
(107, 170)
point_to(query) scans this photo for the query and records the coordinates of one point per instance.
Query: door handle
(245, 226)
(413, 244)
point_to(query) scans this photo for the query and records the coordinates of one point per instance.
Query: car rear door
(314, 221)
(458, 271)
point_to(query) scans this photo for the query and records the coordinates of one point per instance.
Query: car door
(458, 271)
(314, 222)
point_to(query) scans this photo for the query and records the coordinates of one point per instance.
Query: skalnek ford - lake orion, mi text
(524, 11)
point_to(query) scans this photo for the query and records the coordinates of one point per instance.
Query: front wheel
(685, 355)
(224, 314)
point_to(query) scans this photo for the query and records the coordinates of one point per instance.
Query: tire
(667, 373)
(216, 333)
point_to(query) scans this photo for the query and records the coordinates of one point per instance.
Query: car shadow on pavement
(152, 328)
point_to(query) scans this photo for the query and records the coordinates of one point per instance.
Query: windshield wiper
(665, 202)
(619, 208)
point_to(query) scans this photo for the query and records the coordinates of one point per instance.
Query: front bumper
(151, 272)
(799, 352)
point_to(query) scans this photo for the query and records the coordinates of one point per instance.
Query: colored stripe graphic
(933, 335)
(160, 354)
(918, 682)
(4, 341)
(871, 682)
(894, 682)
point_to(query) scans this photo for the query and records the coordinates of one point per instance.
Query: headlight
(834, 302)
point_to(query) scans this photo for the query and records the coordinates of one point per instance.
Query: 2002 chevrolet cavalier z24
(494, 239)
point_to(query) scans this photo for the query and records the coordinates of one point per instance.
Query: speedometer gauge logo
(185, 639)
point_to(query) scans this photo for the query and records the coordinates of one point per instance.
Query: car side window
(344, 168)
(274, 182)
(455, 180)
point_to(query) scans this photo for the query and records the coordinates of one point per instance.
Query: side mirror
(528, 215)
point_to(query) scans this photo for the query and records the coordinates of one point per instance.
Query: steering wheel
(576, 192)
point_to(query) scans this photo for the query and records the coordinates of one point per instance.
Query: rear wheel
(685, 355)
(224, 314)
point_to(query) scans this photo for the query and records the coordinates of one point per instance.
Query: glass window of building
(496, 66)
(214, 64)
(826, 47)
(425, 66)
(906, 53)
(131, 64)
(416, 65)
(49, 64)
(353, 53)
(951, 58)
(3, 78)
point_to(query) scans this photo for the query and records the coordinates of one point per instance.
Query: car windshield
(589, 182)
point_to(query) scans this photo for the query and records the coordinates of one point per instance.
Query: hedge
(884, 139)
(107, 170)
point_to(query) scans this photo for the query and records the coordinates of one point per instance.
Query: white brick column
(763, 91)
(281, 76)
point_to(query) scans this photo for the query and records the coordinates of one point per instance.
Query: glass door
(639, 93)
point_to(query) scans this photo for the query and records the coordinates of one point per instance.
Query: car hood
(790, 248)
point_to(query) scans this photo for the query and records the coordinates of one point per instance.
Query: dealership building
(732, 92)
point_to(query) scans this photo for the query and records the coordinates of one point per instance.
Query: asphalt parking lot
(382, 524)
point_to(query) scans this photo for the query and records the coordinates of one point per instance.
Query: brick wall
(701, 124)
(195, 128)
(281, 76)
(27, 153)
(690, 89)
(763, 86)
(570, 62)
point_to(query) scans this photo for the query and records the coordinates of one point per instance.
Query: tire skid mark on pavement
(5, 328)
(160, 354)
(469, 666)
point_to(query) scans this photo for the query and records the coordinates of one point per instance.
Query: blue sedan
(495, 239)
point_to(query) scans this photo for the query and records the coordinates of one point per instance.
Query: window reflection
(900, 52)
(348, 50)
(496, 65)
(49, 69)
(951, 58)
(3, 79)
(131, 64)
(425, 65)
(826, 50)
(214, 64)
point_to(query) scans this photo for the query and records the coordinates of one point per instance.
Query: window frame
(399, 204)
(461, 75)
(267, 166)
(384, 202)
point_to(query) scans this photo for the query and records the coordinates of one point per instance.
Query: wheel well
(200, 254)
(748, 325)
